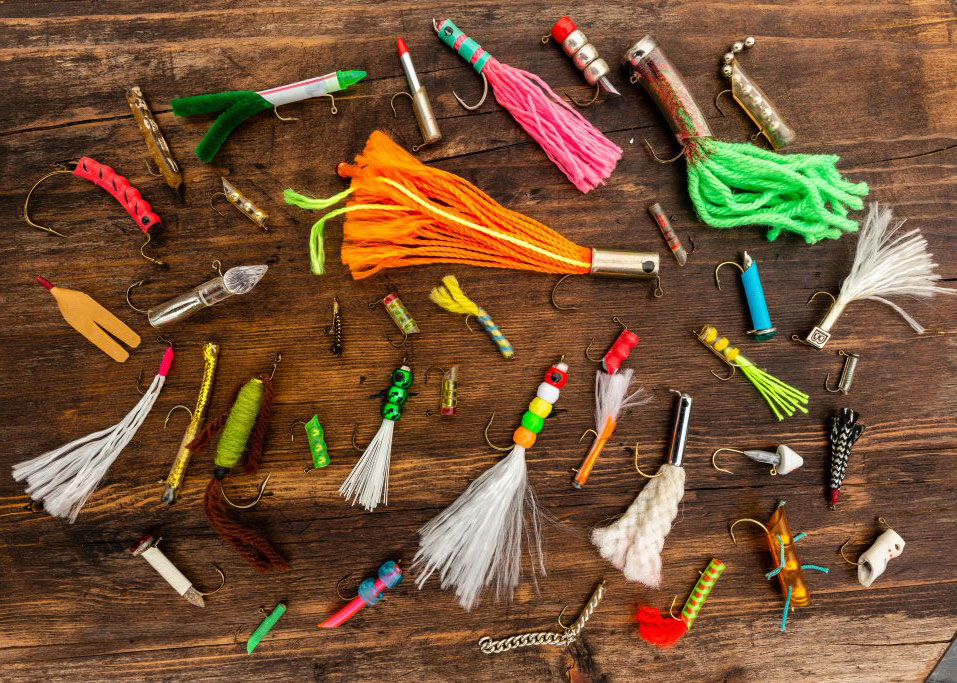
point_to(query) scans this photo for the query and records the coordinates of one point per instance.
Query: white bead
(749, 41)
(548, 392)
(789, 460)
(728, 57)
(737, 47)
(726, 71)
(874, 560)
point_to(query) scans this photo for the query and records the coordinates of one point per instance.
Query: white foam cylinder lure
(875, 559)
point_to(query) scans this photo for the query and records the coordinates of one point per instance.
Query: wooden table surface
(873, 82)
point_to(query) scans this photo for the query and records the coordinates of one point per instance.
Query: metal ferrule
(649, 65)
(585, 56)
(425, 117)
(762, 111)
(574, 42)
(821, 332)
(618, 263)
(596, 70)
(679, 434)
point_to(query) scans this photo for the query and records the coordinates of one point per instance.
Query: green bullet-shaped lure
(264, 627)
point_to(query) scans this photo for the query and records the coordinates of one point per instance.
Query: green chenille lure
(237, 106)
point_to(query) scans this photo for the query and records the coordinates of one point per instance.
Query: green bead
(397, 395)
(392, 411)
(532, 422)
(402, 377)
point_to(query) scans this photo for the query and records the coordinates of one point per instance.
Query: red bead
(619, 351)
(555, 377)
(562, 28)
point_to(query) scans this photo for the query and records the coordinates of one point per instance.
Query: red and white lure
(119, 187)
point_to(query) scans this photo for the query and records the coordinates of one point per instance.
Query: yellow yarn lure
(453, 299)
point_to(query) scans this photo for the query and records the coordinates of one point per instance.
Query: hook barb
(222, 582)
(431, 368)
(246, 506)
(128, 303)
(489, 441)
(355, 435)
(149, 169)
(481, 101)
(589, 102)
(813, 296)
(587, 349)
(392, 102)
(26, 204)
(638, 469)
(718, 97)
(212, 206)
(717, 279)
(275, 111)
(292, 428)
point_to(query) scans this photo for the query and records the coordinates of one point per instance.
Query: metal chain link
(562, 639)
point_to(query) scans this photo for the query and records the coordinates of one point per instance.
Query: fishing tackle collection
(400, 212)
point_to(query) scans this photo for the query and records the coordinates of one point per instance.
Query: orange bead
(524, 437)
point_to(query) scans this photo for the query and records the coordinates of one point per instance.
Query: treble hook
(481, 101)
(555, 303)
(26, 203)
(166, 421)
(638, 469)
(717, 280)
(745, 519)
(715, 464)
(262, 488)
(489, 441)
(292, 434)
(275, 364)
(222, 582)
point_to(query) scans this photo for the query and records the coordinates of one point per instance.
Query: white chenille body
(874, 560)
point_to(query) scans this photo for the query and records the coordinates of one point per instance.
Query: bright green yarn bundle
(733, 184)
(317, 250)
(239, 424)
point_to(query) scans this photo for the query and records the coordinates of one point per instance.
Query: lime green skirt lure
(733, 184)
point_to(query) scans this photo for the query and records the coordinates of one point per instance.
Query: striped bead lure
(619, 351)
(541, 406)
(400, 314)
(451, 297)
(119, 187)
(701, 591)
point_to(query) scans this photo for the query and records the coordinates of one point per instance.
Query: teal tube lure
(761, 327)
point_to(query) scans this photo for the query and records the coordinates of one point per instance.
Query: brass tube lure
(155, 142)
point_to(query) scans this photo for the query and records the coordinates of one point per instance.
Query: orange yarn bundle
(419, 215)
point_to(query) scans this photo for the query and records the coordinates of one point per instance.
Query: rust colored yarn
(426, 225)
(256, 444)
(253, 548)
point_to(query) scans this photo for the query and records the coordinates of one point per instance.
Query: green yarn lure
(237, 106)
(451, 297)
(239, 425)
(733, 184)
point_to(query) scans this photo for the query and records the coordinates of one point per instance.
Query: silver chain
(562, 639)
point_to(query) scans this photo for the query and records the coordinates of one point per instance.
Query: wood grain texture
(875, 83)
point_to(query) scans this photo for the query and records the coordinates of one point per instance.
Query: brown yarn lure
(242, 436)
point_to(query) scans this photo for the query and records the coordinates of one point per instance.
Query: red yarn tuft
(657, 629)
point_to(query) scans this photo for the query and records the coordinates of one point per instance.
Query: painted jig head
(782, 461)
(119, 187)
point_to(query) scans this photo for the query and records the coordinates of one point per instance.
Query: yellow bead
(710, 333)
(732, 353)
(540, 407)
(721, 344)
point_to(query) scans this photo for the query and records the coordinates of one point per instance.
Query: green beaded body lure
(368, 482)
(242, 433)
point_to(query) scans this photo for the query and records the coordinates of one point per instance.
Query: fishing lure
(370, 593)
(399, 313)
(581, 151)
(782, 461)
(789, 570)
(753, 100)
(315, 436)
(633, 544)
(451, 297)
(235, 107)
(661, 219)
(335, 329)
(265, 626)
(847, 374)
(734, 184)
(368, 482)
(148, 548)
(568, 635)
(584, 55)
(421, 106)
(242, 203)
(782, 398)
(477, 540)
(242, 436)
(611, 399)
(235, 281)
(64, 478)
(845, 431)
(177, 472)
(119, 187)
(93, 321)
(761, 327)
(665, 631)
(406, 213)
(450, 393)
(885, 264)
(873, 561)
(155, 142)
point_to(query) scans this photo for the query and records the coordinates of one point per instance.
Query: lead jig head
(753, 100)
(782, 461)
